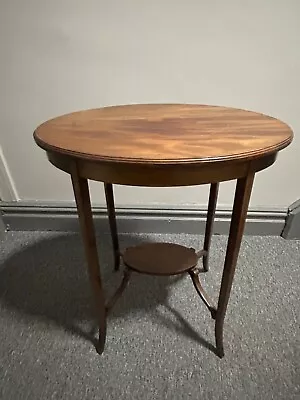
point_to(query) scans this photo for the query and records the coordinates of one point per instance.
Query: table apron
(160, 175)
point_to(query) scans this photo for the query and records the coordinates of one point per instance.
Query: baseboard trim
(2, 227)
(24, 216)
(292, 226)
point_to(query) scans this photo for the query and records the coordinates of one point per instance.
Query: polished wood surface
(164, 134)
(160, 258)
(163, 145)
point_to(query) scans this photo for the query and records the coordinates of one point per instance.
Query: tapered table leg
(239, 213)
(212, 203)
(109, 194)
(82, 197)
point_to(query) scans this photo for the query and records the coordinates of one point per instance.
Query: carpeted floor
(160, 336)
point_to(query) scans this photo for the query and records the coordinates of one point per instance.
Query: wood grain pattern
(164, 134)
(163, 145)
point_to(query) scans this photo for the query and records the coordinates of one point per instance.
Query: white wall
(63, 55)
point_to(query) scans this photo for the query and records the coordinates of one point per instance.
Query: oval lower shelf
(160, 258)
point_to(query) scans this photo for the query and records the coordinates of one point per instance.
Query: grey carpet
(160, 336)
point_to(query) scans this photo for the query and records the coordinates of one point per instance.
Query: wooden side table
(163, 145)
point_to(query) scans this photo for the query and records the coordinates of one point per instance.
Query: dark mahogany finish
(163, 145)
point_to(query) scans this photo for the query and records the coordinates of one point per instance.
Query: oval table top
(164, 134)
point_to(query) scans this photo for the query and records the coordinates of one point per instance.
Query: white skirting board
(19, 216)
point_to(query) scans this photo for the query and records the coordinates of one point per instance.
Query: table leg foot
(212, 203)
(100, 346)
(219, 339)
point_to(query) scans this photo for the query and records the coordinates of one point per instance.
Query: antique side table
(163, 145)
